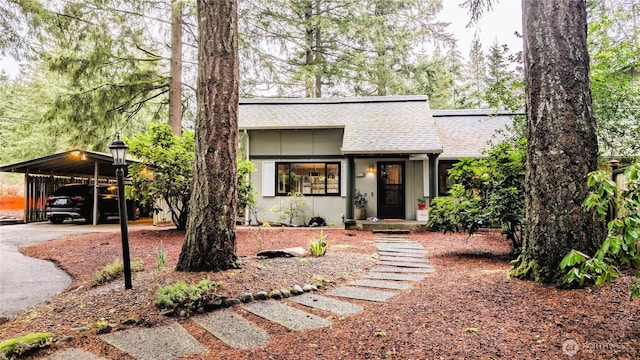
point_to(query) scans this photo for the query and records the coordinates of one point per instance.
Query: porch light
(119, 151)
(372, 169)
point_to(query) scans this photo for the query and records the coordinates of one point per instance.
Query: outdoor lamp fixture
(119, 152)
(371, 169)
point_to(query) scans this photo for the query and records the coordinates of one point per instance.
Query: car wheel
(56, 220)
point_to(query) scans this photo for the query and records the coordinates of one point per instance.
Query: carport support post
(95, 193)
(122, 203)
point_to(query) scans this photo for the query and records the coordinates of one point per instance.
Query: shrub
(14, 348)
(113, 271)
(294, 205)
(183, 300)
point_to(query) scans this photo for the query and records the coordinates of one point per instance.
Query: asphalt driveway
(25, 281)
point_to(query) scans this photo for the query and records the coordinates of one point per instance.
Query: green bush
(183, 300)
(319, 246)
(14, 348)
(113, 271)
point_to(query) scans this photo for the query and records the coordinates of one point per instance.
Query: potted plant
(360, 203)
(422, 203)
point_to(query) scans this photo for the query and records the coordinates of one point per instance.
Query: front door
(391, 190)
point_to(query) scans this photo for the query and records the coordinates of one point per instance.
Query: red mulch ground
(468, 309)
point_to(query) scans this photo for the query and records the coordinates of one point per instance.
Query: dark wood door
(391, 190)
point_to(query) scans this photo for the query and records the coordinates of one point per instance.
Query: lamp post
(119, 152)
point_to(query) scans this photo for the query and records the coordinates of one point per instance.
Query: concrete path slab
(287, 316)
(404, 259)
(391, 285)
(399, 247)
(393, 276)
(327, 304)
(75, 354)
(404, 264)
(404, 270)
(418, 253)
(158, 343)
(232, 329)
(397, 238)
(362, 294)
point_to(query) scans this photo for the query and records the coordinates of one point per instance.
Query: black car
(75, 201)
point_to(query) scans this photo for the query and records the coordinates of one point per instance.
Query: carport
(42, 176)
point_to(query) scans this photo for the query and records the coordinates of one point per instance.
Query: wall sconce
(372, 169)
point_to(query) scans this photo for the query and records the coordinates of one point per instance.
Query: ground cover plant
(469, 308)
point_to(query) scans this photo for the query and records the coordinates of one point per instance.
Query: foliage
(486, 192)
(422, 200)
(319, 246)
(245, 186)
(183, 299)
(359, 199)
(113, 271)
(16, 347)
(294, 205)
(620, 247)
(165, 171)
(161, 257)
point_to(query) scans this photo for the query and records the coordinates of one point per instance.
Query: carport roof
(69, 163)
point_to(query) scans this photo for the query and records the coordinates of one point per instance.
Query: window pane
(310, 177)
(283, 178)
(333, 179)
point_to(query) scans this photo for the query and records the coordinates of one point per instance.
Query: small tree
(294, 205)
(165, 172)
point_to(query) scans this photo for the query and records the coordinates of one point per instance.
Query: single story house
(394, 149)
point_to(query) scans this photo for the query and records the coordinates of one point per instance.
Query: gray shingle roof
(466, 133)
(380, 125)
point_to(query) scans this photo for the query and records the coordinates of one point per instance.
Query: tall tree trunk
(211, 235)
(561, 134)
(175, 82)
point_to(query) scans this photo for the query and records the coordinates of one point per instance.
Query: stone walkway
(401, 263)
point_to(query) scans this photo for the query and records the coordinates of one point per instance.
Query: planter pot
(422, 206)
(361, 213)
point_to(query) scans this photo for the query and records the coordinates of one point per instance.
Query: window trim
(337, 164)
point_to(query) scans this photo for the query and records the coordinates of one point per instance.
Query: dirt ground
(468, 309)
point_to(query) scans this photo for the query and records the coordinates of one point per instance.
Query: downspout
(433, 176)
(247, 219)
(349, 219)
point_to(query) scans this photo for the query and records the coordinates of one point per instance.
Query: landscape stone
(287, 316)
(394, 276)
(327, 304)
(261, 295)
(229, 302)
(288, 252)
(245, 297)
(392, 285)
(232, 329)
(285, 293)
(362, 294)
(156, 343)
(296, 290)
(275, 294)
(307, 288)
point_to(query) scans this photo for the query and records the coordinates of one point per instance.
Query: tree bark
(561, 135)
(211, 236)
(175, 82)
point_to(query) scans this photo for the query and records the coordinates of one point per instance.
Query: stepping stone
(392, 239)
(75, 354)
(393, 285)
(404, 270)
(362, 294)
(232, 329)
(414, 252)
(158, 343)
(394, 276)
(327, 304)
(404, 264)
(404, 259)
(391, 231)
(403, 253)
(287, 316)
(399, 247)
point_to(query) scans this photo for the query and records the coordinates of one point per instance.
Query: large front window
(308, 178)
